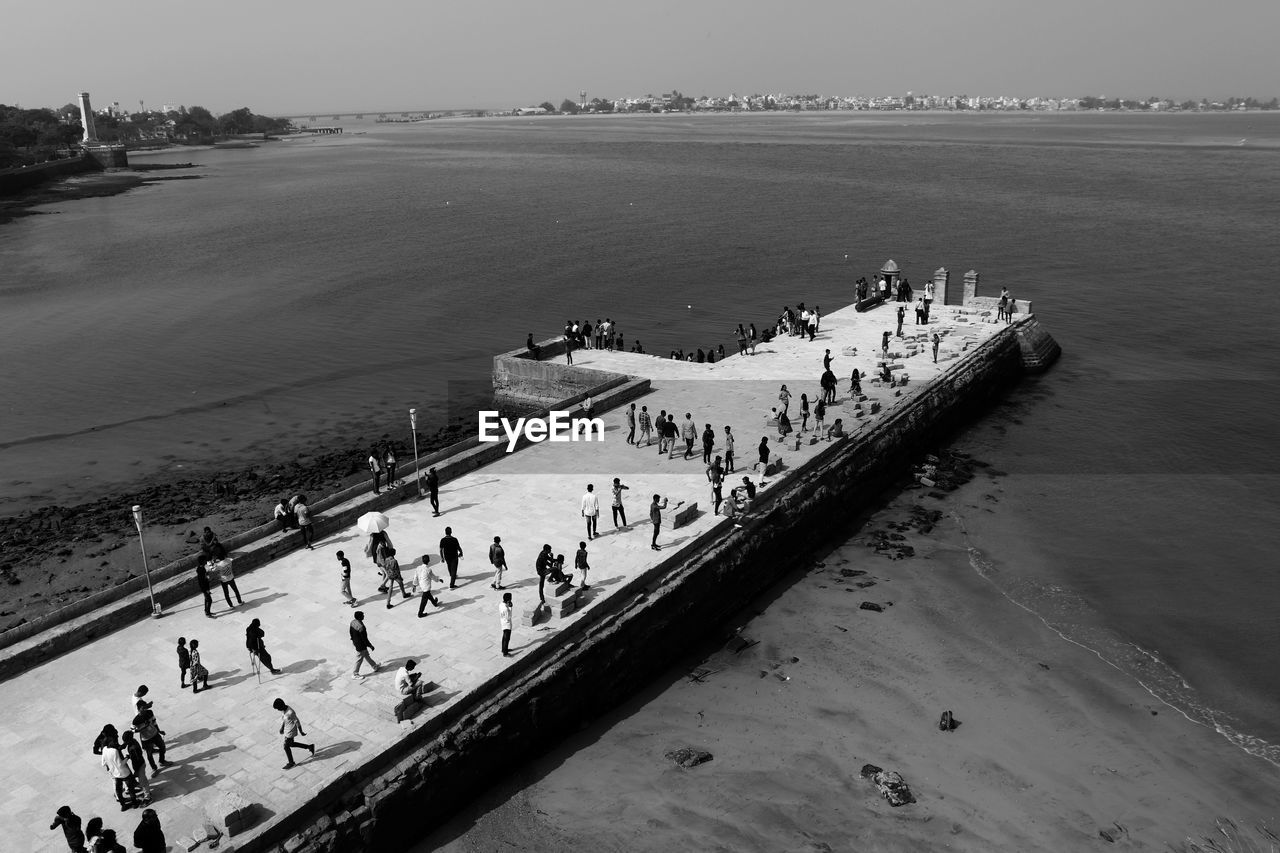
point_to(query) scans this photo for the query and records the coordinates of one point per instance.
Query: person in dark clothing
(363, 645)
(70, 823)
(151, 737)
(708, 444)
(210, 546)
(149, 837)
(451, 552)
(534, 349)
(255, 642)
(202, 580)
(108, 843)
(433, 490)
(543, 567)
(902, 315)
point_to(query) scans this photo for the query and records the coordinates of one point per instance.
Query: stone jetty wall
(19, 179)
(598, 662)
(520, 382)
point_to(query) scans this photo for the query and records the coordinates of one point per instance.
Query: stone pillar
(970, 286)
(940, 279)
(86, 119)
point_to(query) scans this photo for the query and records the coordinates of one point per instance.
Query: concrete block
(684, 514)
(563, 588)
(232, 810)
(773, 468)
(567, 606)
(875, 408)
(536, 616)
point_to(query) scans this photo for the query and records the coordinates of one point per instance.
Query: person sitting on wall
(534, 349)
(557, 575)
(836, 430)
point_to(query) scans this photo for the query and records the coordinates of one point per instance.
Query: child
(70, 823)
(392, 569)
(819, 415)
(199, 673)
(184, 661)
(349, 599)
(580, 563)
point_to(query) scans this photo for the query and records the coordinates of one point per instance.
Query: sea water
(308, 292)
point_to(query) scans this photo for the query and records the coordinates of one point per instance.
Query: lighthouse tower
(86, 120)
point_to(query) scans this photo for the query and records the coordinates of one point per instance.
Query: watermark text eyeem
(559, 426)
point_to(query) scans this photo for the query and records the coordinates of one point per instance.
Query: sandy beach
(1053, 748)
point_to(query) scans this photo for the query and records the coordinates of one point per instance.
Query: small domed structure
(890, 273)
(889, 266)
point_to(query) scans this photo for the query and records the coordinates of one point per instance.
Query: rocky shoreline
(52, 554)
(89, 185)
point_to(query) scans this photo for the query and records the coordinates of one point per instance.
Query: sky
(285, 57)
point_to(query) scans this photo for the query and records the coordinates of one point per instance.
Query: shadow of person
(451, 603)
(187, 738)
(329, 751)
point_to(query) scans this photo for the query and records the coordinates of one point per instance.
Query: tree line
(29, 136)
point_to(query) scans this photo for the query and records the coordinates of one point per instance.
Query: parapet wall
(601, 660)
(520, 381)
(19, 179)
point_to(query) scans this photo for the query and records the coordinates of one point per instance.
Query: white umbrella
(372, 522)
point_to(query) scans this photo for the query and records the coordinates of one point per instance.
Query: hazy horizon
(291, 58)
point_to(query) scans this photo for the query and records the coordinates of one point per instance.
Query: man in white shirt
(591, 510)
(504, 618)
(408, 682)
(423, 579)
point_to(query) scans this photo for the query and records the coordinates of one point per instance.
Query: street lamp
(137, 522)
(413, 427)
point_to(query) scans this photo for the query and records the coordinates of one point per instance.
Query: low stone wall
(600, 661)
(520, 381)
(83, 621)
(17, 180)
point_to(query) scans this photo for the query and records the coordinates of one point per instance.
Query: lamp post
(137, 522)
(413, 427)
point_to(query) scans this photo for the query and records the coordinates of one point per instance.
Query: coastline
(54, 553)
(1054, 747)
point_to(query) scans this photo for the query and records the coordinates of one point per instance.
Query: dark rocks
(689, 757)
(871, 605)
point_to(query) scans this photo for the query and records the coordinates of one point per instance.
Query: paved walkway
(227, 738)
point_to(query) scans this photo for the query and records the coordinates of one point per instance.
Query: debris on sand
(892, 786)
(688, 756)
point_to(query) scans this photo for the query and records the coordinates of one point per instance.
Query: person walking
(71, 828)
(804, 412)
(433, 490)
(689, 432)
(819, 415)
(291, 728)
(631, 424)
(504, 620)
(391, 568)
(199, 672)
(884, 344)
(227, 577)
(423, 579)
(305, 526)
(708, 444)
(937, 341)
(344, 578)
(115, 763)
(568, 348)
(202, 581)
(728, 448)
(580, 563)
(184, 662)
(255, 640)
(363, 645)
(591, 510)
(763, 463)
(389, 460)
(619, 512)
(671, 432)
(149, 837)
(646, 427)
(920, 321)
(655, 516)
(137, 763)
(715, 476)
(498, 559)
(375, 469)
(450, 553)
(784, 397)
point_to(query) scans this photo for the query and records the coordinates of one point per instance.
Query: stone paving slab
(226, 739)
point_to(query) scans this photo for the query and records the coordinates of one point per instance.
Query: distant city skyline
(291, 58)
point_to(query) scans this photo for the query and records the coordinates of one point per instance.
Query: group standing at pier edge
(125, 757)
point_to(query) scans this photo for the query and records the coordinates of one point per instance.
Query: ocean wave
(1070, 617)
